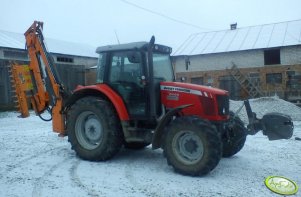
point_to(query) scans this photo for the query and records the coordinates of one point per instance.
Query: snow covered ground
(35, 162)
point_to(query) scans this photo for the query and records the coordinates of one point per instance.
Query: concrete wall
(243, 59)
(220, 61)
(290, 55)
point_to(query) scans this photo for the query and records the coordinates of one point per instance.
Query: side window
(125, 69)
(116, 68)
(132, 71)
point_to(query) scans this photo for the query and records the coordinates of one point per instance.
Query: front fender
(156, 142)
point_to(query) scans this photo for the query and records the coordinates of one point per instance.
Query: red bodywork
(111, 95)
(203, 99)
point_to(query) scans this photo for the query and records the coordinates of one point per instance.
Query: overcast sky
(97, 22)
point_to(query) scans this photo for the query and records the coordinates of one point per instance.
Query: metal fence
(5, 87)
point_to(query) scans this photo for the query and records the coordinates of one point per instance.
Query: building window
(15, 55)
(209, 81)
(293, 80)
(273, 78)
(272, 57)
(64, 59)
(197, 80)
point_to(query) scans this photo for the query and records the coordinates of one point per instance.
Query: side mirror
(134, 57)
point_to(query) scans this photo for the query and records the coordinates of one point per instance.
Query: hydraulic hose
(49, 110)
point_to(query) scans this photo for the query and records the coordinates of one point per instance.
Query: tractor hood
(192, 88)
(206, 102)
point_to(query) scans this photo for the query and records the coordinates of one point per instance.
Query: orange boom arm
(45, 90)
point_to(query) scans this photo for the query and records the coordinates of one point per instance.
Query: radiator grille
(223, 104)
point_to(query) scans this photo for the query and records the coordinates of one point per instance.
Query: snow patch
(35, 162)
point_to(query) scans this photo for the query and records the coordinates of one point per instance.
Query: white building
(261, 52)
(73, 61)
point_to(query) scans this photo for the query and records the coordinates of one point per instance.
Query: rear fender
(100, 90)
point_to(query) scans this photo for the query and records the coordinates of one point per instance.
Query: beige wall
(243, 59)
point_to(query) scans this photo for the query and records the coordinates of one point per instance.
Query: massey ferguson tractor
(136, 102)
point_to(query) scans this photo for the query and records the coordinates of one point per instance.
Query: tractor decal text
(186, 90)
(172, 96)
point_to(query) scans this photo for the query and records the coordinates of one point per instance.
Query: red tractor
(136, 102)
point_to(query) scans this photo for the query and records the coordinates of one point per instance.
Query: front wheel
(234, 137)
(192, 146)
(93, 129)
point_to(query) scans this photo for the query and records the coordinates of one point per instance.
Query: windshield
(162, 66)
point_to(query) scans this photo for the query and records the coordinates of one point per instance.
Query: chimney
(233, 26)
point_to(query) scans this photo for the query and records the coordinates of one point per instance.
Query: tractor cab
(135, 71)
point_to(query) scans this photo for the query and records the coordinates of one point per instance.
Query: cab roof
(133, 46)
(121, 47)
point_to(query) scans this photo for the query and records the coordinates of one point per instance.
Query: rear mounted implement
(274, 125)
(22, 85)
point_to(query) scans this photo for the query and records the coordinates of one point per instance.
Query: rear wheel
(192, 146)
(93, 129)
(235, 136)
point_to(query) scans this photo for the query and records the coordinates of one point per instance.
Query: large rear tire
(192, 146)
(94, 129)
(235, 136)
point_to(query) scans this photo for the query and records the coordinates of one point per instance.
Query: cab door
(127, 77)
